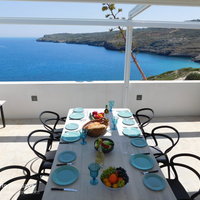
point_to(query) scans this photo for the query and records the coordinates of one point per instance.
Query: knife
(64, 142)
(147, 172)
(65, 189)
(62, 164)
(145, 153)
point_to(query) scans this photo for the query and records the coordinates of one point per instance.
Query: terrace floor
(15, 150)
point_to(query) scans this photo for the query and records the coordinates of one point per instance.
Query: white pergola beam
(127, 64)
(147, 2)
(98, 22)
(166, 24)
(137, 10)
(62, 21)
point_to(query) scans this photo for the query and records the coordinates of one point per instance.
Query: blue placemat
(154, 182)
(125, 114)
(78, 110)
(141, 161)
(71, 136)
(128, 122)
(71, 126)
(76, 116)
(139, 142)
(65, 175)
(132, 132)
(67, 156)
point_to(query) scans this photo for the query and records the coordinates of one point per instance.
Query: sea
(25, 59)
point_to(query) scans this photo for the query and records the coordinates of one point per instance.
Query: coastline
(169, 42)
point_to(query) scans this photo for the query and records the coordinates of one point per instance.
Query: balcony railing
(167, 98)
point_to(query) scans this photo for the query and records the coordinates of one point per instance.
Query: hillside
(169, 42)
(175, 75)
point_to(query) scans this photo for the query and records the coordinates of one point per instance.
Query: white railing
(167, 98)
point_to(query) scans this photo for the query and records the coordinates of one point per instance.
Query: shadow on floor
(14, 139)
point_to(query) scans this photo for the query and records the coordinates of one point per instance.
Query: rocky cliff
(169, 42)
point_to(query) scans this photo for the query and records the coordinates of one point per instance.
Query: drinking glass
(114, 121)
(83, 136)
(111, 105)
(94, 171)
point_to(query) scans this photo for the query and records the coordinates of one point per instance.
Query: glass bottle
(100, 154)
(106, 111)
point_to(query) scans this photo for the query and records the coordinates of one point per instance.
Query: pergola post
(127, 64)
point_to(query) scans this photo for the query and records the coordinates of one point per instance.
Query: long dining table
(119, 157)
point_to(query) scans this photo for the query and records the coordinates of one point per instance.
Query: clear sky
(79, 10)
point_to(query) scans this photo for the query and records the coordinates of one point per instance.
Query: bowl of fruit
(114, 178)
(96, 115)
(106, 144)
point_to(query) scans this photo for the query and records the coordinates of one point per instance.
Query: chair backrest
(143, 117)
(183, 160)
(49, 119)
(37, 137)
(26, 177)
(171, 134)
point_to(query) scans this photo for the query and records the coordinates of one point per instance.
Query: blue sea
(25, 59)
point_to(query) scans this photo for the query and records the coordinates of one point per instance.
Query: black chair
(172, 136)
(50, 120)
(26, 178)
(46, 140)
(143, 117)
(175, 183)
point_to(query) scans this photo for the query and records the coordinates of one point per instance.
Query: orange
(113, 178)
(105, 180)
(115, 185)
(108, 184)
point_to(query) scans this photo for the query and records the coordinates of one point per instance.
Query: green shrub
(193, 76)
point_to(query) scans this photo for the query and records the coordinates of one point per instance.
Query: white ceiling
(148, 2)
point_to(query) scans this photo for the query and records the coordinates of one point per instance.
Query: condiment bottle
(106, 111)
(100, 154)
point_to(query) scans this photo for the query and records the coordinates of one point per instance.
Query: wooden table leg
(2, 117)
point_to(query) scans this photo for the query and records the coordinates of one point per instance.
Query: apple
(94, 113)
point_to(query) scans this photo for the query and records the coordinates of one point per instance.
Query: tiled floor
(15, 150)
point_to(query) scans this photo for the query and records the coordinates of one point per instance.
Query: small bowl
(105, 150)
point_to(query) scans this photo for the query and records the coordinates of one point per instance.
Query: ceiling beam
(137, 10)
(147, 2)
(98, 22)
(62, 21)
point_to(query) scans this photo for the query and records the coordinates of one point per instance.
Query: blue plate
(141, 161)
(139, 142)
(154, 182)
(78, 110)
(71, 136)
(65, 175)
(67, 156)
(128, 122)
(125, 114)
(77, 116)
(71, 126)
(132, 132)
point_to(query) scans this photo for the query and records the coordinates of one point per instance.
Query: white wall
(167, 98)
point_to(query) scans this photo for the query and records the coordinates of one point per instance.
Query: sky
(79, 10)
